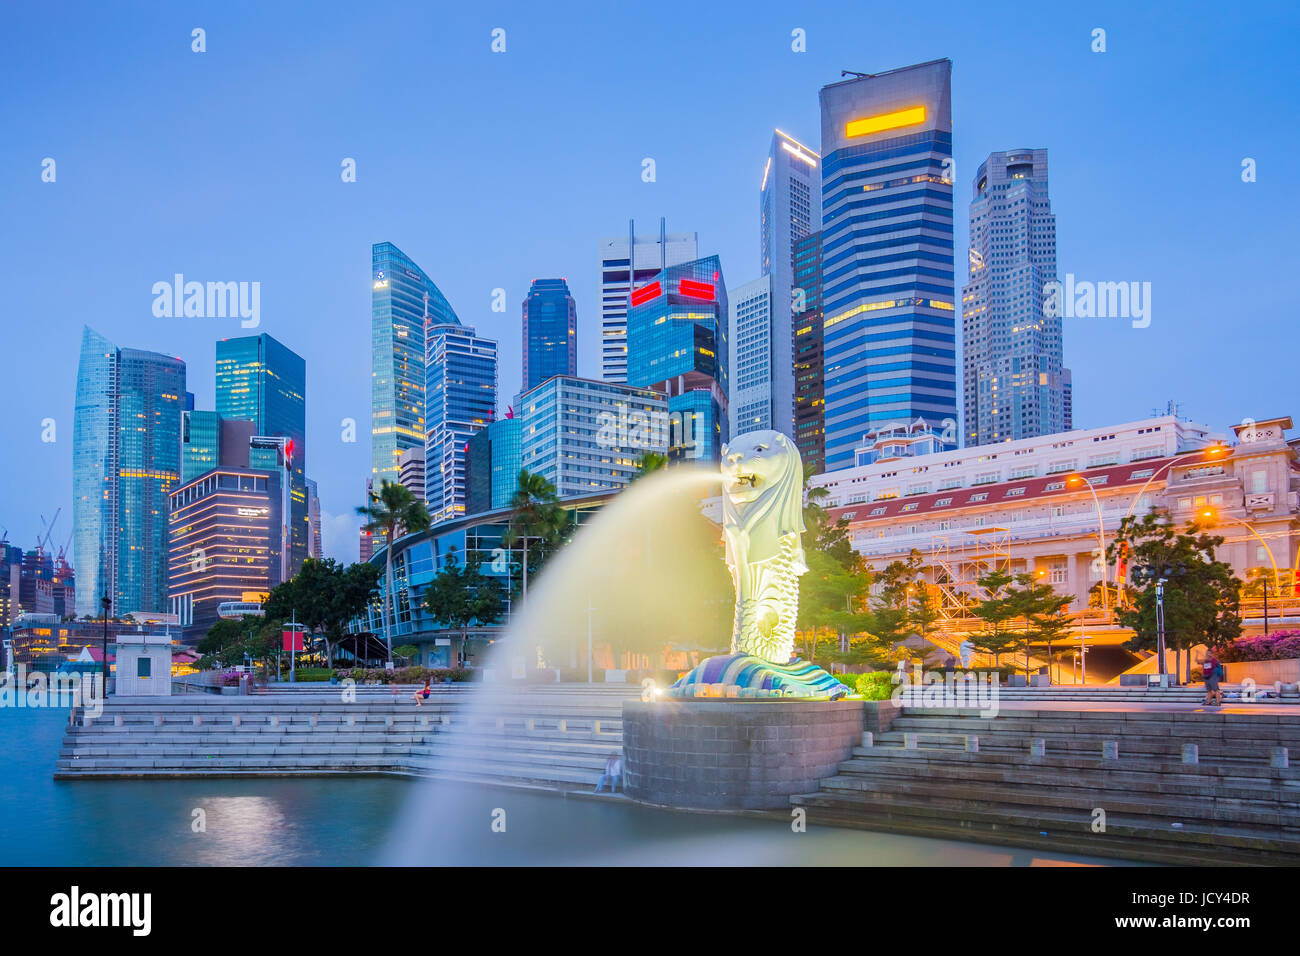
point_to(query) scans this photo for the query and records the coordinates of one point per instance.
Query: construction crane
(49, 530)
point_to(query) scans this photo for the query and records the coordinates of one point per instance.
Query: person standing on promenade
(1211, 671)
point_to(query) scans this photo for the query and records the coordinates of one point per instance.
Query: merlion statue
(762, 525)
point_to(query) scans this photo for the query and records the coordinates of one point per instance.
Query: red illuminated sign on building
(697, 290)
(646, 293)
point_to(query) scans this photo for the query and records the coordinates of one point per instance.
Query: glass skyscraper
(461, 399)
(260, 380)
(889, 333)
(677, 343)
(550, 332)
(200, 443)
(126, 460)
(1014, 384)
(403, 303)
(787, 198)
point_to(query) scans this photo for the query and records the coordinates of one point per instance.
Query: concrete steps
(1233, 806)
(552, 738)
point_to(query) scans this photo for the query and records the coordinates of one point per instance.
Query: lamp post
(105, 603)
(1160, 627)
(1101, 540)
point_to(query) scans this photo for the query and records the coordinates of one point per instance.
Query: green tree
(538, 522)
(1202, 597)
(998, 610)
(392, 511)
(833, 593)
(325, 596)
(460, 595)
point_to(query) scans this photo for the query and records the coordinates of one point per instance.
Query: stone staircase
(927, 775)
(548, 738)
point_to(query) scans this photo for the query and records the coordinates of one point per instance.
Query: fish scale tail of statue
(762, 525)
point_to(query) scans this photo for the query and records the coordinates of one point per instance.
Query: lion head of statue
(762, 498)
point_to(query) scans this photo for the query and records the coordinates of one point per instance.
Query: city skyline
(1117, 219)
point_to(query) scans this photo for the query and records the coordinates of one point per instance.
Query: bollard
(1280, 759)
(1110, 750)
(972, 744)
(868, 739)
(1038, 747)
(909, 741)
(1191, 753)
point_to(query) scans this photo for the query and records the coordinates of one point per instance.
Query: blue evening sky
(493, 169)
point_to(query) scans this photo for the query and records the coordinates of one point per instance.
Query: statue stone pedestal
(727, 754)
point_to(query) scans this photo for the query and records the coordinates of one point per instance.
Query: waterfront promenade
(1144, 775)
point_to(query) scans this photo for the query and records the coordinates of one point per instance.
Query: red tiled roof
(991, 494)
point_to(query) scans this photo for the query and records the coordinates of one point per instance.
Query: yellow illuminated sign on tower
(911, 116)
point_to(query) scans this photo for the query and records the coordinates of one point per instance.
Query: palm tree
(390, 510)
(536, 514)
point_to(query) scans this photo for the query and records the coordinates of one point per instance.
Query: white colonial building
(1040, 505)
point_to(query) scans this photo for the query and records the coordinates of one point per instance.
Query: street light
(1160, 626)
(1210, 515)
(1101, 538)
(105, 603)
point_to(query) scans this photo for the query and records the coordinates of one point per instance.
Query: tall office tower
(550, 332)
(200, 443)
(1014, 385)
(506, 438)
(809, 397)
(677, 344)
(753, 401)
(259, 380)
(492, 463)
(126, 460)
(585, 436)
(403, 300)
(887, 255)
(315, 548)
(788, 200)
(619, 274)
(410, 471)
(461, 393)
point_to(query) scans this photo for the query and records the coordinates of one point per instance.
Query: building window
(143, 666)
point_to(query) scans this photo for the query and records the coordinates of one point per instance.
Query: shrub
(1278, 646)
(405, 675)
